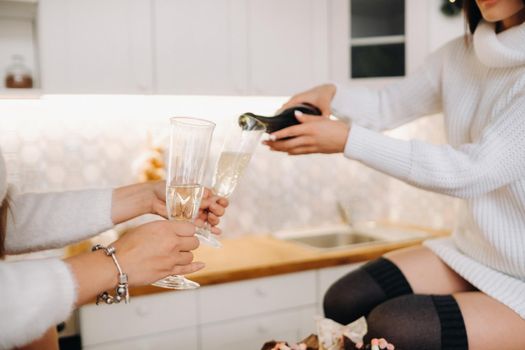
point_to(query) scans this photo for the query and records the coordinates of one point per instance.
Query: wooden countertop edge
(320, 260)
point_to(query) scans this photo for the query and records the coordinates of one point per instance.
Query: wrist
(131, 201)
(330, 89)
(93, 273)
(344, 136)
(122, 288)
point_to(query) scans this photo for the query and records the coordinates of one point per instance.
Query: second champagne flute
(190, 140)
(236, 153)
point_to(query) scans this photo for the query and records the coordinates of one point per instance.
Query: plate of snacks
(333, 336)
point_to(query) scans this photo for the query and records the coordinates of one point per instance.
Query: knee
(403, 320)
(334, 301)
(350, 297)
(383, 318)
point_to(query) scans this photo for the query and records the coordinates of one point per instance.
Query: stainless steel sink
(344, 237)
(334, 240)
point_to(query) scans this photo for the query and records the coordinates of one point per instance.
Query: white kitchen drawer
(239, 299)
(145, 315)
(252, 332)
(186, 339)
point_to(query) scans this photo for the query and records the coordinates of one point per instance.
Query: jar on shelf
(18, 75)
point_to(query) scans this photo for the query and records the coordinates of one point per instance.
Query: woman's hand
(150, 198)
(131, 201)
(157, 249)
(146, 254)
(313, 135)
(320, 96)
(211, 209)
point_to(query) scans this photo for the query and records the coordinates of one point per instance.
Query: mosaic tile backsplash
(72, 142)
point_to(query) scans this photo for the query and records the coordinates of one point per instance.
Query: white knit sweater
(38, 294)
(480, 88)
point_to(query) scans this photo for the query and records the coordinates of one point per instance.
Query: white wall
(71, 142)
(441, 27)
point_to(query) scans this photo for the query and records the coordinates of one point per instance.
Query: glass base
(208, 238)
(176, 282)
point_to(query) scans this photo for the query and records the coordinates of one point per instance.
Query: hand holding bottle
(320, 96)
(313, 135)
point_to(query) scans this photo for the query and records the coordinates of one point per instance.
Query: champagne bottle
(280, 121)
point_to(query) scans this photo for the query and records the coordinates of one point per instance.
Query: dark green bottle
(280, 121)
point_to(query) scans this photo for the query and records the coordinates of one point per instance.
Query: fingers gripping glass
(190, 140)
(236, 153)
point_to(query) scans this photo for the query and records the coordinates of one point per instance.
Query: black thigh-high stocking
(417, 321)
(358, 292)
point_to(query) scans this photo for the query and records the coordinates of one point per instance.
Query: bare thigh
(490, 324)
(426, 273)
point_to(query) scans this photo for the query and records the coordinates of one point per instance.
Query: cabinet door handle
(261, 329)
(260, 292)
(142, 311)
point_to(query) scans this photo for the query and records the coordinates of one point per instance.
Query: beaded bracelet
(122, 290)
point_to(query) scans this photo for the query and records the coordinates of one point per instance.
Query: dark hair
(4, 208)
(473, 14)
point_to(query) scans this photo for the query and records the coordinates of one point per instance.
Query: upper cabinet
(377, 38)
(232, 47)
(96, 46)
(375, 41)
(199, 47)
(287, 45)
(18, 45)
(239, 47)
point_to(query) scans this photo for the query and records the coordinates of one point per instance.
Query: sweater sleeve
(34, 296)
(417, 95)
(496, 159)
(50, 220)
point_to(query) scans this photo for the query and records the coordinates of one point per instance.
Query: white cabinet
(287, 45)
(186, 339)
(220, 47)
(237, 315)
(231, 315)
(376, 40)
(353, 34)
(257, 296)
(244, 315)
(270, 47)
(95, 46)
(253, 332)
(18, 37)
(227, 47)
(144, 317)
(200, 47)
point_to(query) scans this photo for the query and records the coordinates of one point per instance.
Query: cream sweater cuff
(35, 295)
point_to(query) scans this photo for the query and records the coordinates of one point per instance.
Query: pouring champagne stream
(236, 153)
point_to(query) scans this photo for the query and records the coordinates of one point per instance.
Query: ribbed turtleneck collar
(497, 50)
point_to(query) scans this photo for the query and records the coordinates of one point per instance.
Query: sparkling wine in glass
(190, 140)
(236, 153)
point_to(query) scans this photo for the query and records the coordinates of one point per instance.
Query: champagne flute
(190, 140)
(236, 153)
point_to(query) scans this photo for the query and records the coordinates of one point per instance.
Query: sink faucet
(344, 214)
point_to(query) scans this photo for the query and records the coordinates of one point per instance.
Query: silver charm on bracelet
(122, 289)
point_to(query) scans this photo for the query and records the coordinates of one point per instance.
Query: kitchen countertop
(257, 256)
